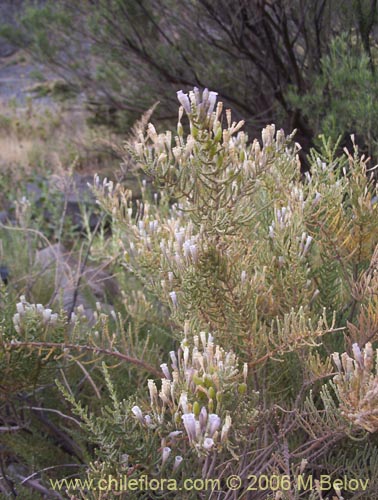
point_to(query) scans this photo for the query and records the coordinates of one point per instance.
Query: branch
(48, 345)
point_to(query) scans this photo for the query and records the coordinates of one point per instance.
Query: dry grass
(36, 140)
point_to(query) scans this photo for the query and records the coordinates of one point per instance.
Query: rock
(4, 217)
(74, 284)
(4, 274)
(74, 193)
(81, 196)
(6, 49)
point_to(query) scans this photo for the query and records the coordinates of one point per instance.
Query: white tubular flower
(186, 356)
(194, 252)
(368, 356)
(178, 259)
(336, 360)
(184, 402)
(165, 393)
(148, 420)
(189, 145)
(189, 373)
(180, 237)
(165, 454)
(198, 430)
(198, 360)
(226, 428)
(243, 276)
(208, 443)
(153, 391)
(307, 245)
(16, 322)
(152, 133)
(214, 424)
(138, 413)
(196, 95)
(165, 370)
(205, 96)
(280, 137)
(125, 460)
(190, 425)
(46, 315)
(153, 224)
(20, 308)
(203, 418)
(186, 329)
(212, 101)
(184, 101)
(245, 372)
(173, 298)
(357, 355)
(203, 339)
(177, 463)
(54, 318)
(174, 434)
(177, 152)
(96, 181)
(80, 310)
(266, 135)
(186, 248)
(316, 199)
(173, 357)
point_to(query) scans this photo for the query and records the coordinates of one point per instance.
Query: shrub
(246, 277)
(343, 96)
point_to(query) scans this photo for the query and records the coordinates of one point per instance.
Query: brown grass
(36, 140)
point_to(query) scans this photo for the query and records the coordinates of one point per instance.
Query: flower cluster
(357, 386)
(196, 394)
(284, 218)
(26, 311)
(204, 104)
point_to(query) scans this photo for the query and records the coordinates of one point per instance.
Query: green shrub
(342, 98)
(254, 289)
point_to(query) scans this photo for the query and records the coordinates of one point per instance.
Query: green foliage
(342, 98)
(269, 263)
(239, 278)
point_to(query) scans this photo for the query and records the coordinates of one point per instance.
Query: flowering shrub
(27, 313)
(357, 386)
(198, 394)
(245, 275)
(232, 239)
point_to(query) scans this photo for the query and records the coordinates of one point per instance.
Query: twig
(50, 468)
(82, 267)
(124, 357)
(8, 482)
(36, 485)
(87, 376)
(37, 408)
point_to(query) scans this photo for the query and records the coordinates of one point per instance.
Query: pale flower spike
(184, 101)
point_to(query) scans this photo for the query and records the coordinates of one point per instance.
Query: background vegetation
(270, 61)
